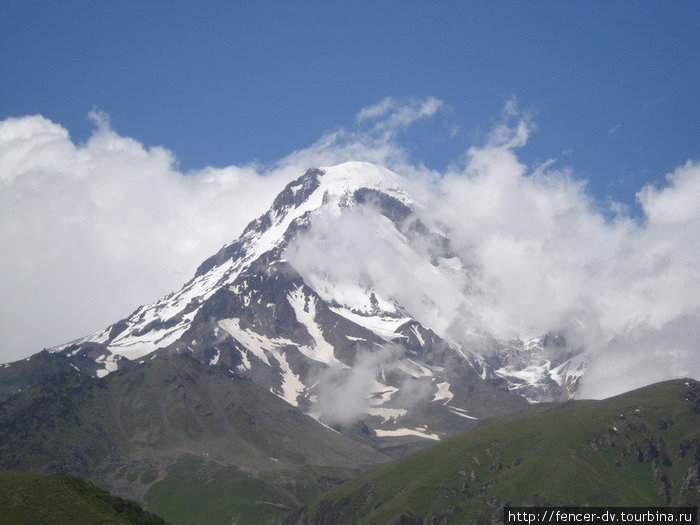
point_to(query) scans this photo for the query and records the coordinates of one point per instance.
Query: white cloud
(93, 230)
(547, 259)
(376, 110)
(343, 392)
(538, 254)
(395, 114)
(362, 246)
(374, 140)
(644, 355)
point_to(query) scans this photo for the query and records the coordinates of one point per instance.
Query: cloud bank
(533, 252)
(90, 231)
(546, 258)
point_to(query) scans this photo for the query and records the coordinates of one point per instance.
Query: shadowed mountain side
(26, 373)
(135, 431)
(37, 497)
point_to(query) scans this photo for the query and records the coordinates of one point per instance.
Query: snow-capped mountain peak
(297, 305)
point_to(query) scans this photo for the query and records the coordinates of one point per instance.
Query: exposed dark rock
(690, 486)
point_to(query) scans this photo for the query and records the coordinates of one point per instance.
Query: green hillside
(192, 443)
(30, 498)
(640, 448)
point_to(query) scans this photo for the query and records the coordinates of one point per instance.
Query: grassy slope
(197, 491)
(634, 449)
(54, 499)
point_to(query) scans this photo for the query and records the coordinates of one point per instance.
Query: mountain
(290, 362)
(36, 497)
(308, 350)
(294, 305)
(638, 449)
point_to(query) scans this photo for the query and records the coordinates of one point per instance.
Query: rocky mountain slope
(283, 367)
(172, 430)
(295, 358)
(342, 347)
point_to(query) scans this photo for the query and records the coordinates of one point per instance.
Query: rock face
(336, 342)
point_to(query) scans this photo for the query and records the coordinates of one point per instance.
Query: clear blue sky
(613, 85)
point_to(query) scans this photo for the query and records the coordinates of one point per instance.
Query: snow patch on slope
(461, 412)
(304, 308)
(418, 432)
(384, 326)
(387, 414)
(443, 393)
(265, 348)
(109, 362)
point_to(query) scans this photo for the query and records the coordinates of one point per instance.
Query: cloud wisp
(345, 394)
(89, 231)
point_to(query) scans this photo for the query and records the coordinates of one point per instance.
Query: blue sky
(202, 111)
(612, 85)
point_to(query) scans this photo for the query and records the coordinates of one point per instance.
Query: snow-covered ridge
(251, 308)
(163, 322)
(350, 176)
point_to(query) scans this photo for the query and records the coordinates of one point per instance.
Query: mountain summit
(332, 301)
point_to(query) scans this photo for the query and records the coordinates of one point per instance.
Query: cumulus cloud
(533, 252)
(546, 258)
(642, 355)
(362, 247)
(92, 230)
